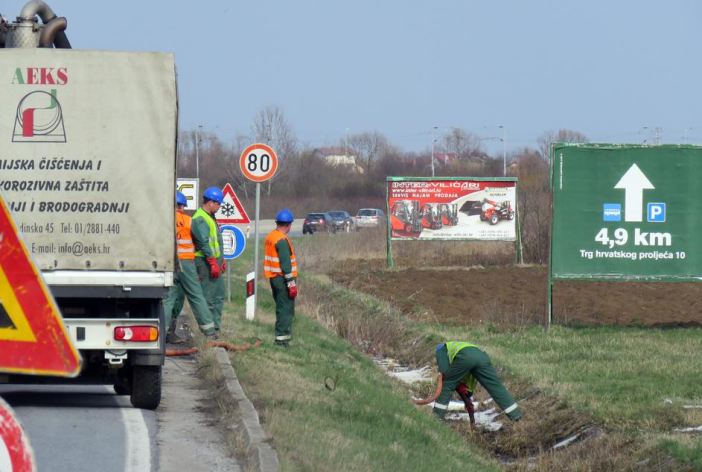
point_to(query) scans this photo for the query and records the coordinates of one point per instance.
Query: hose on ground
(433, 396)
(228, 346)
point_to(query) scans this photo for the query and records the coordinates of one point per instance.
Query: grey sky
(604, 68)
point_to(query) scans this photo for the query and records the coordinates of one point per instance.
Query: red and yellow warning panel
(33, 339)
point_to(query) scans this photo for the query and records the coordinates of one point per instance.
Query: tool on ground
(466, 395)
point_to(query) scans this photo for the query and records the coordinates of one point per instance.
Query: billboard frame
(518, 233)
(553, 170)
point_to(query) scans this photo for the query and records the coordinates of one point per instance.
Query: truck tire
(146, 386)
(494, 219)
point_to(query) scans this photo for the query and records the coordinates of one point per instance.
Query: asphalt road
(90, 428)
(266, 226)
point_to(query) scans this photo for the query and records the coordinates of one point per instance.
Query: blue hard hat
(214, 194)
(181, 199)
(440, 346)
(284, 216)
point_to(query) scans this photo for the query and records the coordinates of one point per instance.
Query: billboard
(626, 212)
(452, 208)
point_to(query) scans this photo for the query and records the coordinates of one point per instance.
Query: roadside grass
(361, 421)
(632, 382)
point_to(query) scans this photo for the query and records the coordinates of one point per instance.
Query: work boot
(282, 343)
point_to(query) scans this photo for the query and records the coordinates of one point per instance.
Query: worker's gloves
(466, 395)
(214, 268)
(292, 289)
(224, 266)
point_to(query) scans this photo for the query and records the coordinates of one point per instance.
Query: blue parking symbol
(655, 213)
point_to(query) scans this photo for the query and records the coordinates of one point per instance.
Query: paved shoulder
(189, 437)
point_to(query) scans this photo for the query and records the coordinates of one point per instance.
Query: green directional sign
(626, 212)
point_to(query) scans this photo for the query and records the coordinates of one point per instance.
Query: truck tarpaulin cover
(452, 208)
(87, 156)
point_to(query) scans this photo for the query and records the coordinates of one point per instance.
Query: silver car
(370, 218)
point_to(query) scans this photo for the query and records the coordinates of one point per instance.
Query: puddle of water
(566, 442)
(689, 430)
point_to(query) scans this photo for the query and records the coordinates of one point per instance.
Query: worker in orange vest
(280, 267)
(186, 282)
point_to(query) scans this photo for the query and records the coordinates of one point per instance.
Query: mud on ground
(517, 295)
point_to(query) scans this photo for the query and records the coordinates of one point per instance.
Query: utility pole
(504, 150)
(433, 140)
(197, 151)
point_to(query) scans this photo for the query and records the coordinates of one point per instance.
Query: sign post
(625, 212)
(258, 162)
(234, 245)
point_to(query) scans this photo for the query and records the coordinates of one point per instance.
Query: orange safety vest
(271, 262)
(186, 248)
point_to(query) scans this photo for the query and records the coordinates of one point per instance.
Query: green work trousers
(473, 361)
(213, 289)
(186, 283)
(284, 310)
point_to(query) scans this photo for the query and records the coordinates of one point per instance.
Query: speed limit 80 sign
(258, 162)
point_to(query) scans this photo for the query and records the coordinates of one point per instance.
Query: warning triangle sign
(231, 211)
(33, 339)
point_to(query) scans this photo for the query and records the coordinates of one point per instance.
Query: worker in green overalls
(462, 364)
(209, 260)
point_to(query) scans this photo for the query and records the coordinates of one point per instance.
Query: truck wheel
(494, 219)
(146, 386)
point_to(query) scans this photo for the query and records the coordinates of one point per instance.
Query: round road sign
(258, 162)
(234, 241)
(15, 451)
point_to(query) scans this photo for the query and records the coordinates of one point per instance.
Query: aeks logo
(39, 116)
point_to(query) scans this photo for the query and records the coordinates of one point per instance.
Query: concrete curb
(261, 455)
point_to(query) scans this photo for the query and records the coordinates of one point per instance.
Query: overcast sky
(604, 68)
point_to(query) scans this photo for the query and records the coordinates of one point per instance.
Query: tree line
(308, 181)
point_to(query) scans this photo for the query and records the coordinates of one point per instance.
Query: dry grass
(323, 252)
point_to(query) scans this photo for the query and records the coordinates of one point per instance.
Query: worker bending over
(462, 364)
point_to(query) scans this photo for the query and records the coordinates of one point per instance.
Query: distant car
(316, 222)
(341, 221)
(369, 218)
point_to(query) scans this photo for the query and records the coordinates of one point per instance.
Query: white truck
(87, 167)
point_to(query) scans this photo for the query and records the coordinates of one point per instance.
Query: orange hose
(435, 395)
(225, 345)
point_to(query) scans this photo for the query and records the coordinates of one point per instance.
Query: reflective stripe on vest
(186, 248)
(271, 261)
(213, 240)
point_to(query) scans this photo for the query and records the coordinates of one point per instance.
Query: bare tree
(461, 142)
(271, 127)
(560, 136)
(369, 147)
